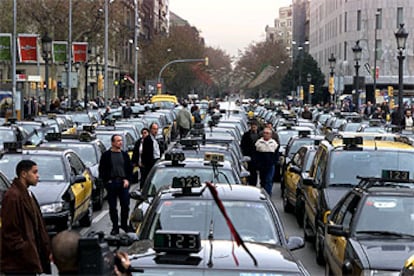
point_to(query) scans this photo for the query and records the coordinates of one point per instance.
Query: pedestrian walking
(248, 148)
(150, 150)
(137, 155)
(184, 121)
(115, 168)
(267, 157)
(25, 245)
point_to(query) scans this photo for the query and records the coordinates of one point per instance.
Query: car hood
(270, 257)
(333, 195)
(386, 254)
(49, 192)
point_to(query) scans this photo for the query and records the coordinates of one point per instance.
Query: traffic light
(33, 85)
(377, 93)
(311, 88)
(206, 61)
(301, 95)
(159, 88)
(331, 86)
(100, 82)
(390, 91)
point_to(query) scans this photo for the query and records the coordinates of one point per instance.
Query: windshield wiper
(385, 233)
(341, 185)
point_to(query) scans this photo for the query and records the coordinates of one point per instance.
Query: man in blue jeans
(267, 153)
(115, 168)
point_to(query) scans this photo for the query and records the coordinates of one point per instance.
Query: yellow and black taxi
(90, 150)
(64, 191)
(212, 168)
(303, 138)
(187, 232)
(297, 166)
(371, 229)
(333, 172)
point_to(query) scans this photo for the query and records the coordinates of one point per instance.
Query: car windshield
(85, 151)
(346, 165)
(297, 144)
(163, 176)
(81, 118)
(51, 168)
(284, 135)
(396, 211)
(7, 135)
(202, 215)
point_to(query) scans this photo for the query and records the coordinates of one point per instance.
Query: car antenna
(211, 238)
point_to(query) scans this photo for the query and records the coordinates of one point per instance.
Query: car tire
(86, 220)
(307, 231)
(65, 224)
(99, 199)
(299, 210)
(320, 259)
(287, 206)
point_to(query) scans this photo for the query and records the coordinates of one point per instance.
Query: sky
(229, 24)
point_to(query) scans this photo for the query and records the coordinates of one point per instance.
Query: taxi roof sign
(304, 133)
(53, 136)
(175, 157)
(213, 157)
(177, 241)
(13, 147)
(89, 128)
(395, 175)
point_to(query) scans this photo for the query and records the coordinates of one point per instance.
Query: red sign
(27, 46)
(80, 51)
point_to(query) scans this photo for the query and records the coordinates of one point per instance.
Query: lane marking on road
(84, 231)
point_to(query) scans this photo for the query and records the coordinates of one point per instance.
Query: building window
(400, 18)
(379, 19)
(358, 20)
(345, 50)
(345, 22)
(379, 49)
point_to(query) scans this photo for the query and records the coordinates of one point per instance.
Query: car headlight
(375, 272)
(51, 208)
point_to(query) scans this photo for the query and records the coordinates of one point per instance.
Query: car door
(82, 191)
(292, 179)
(335, 246)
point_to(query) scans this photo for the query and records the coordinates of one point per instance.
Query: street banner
(5, 47)
(59, 51)
(80, 51)
(27, 47)
(267, 72)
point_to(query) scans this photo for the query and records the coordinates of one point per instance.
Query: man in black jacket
(248, 148)
(150, 151)
(115, 168)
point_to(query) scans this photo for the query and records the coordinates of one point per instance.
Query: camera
(95, 255)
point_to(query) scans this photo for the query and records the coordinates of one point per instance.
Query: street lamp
(332, 64)
(357, 57)
(309, 79)
(46, 53)
(401, 37)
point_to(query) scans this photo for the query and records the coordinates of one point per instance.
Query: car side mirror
(79, 179)
(294, 169)
(294, 243)
(336, 230)
(246, 158)
(307, 180)
(137, 195)
(244, 174)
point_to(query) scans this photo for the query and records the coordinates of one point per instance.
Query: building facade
(282, 29)
(336, 25)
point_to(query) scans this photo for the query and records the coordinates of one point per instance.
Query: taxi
(89, 150)
(408, 269)
(334, 172)
(185, 231)
(164, 101)
(371, 229)
(212, 168)
(64, 191)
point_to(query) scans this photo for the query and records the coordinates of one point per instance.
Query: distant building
(282, 29)
(335, 26)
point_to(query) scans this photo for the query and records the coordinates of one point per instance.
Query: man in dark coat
(25, 245)
(248, 148)
(115, 169)
(150, 151)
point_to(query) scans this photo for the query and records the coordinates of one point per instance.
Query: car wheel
(287, 207)
(86, 220)
(99, 199)
(65, 224)
(307, 231)
(299, 210)
(320, 259)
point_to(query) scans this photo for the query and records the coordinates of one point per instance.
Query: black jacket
(135, 152)
(148, 153)
(105, 166)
